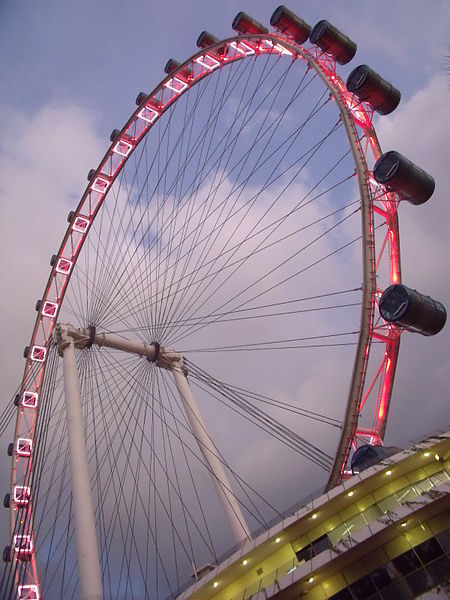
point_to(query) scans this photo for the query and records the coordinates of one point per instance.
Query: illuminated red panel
(29, 592)
(81, 224)
(148, 114)
(385, 389)
(38, 353)
(123, 148)
(63, 266)
(269, 45)
(100, 185)
(243, 48)
(23, 544)
(49, 309)
(30, 399)
(24, 446)
(208, 62)
(21, 495)
(176, 85)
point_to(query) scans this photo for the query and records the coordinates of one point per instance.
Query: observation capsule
(368, 455)
(332, 41)
(412, 310)
(115, 134)
(285, 21)
(242, 23)
(399, 174)
(171, 65)
(369, 86)
(206, 39)
(141, 98)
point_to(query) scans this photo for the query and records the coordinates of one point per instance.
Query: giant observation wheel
(232, 246)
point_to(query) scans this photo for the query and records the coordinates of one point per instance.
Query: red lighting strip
(200, 66)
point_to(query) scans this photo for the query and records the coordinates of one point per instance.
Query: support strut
(173, 362)
(87, 551)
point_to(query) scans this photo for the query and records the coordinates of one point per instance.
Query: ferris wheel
(221, 321)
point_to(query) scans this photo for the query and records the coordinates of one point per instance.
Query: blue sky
(69, 75)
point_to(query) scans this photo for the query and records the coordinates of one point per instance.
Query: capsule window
(49, 309)
(24, 447)
(21, 495)
(63, 266)
(100, 185)
(38, 353)
(81, 224)
(28, 592)
(30, 399)
(23, 544)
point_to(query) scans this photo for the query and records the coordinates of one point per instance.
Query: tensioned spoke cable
(264, 421)
(158, 181)
(271, 401)
(213, 188)
(243, 313)
(209, 262)
(261, 278)
(231, 233)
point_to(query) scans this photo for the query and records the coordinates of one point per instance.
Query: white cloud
(46, 157)
(43, 160)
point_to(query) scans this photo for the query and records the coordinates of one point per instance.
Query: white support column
(88, 562)
(171, 361)
(219, 477)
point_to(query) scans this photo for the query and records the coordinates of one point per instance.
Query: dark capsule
(242, 23)
(399, 174)
(70, 216)
(171, 65)
(115, 134)
(7, 554)
(7, 501)
(206, 40)
(370, 87)
(141, 98)
(412, 310)
(53, 260)
(25, 351)
(332, 41)
(91, 174)
(369, 455)
(16, 399)
(10, 449)
(285, 21)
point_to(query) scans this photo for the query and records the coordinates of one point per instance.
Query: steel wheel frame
(357, 119)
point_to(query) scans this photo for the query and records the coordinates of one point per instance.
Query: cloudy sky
(69, 75)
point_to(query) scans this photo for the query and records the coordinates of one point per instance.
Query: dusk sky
(69, 75)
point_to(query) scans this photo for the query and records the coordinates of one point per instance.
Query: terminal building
(382, 534)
